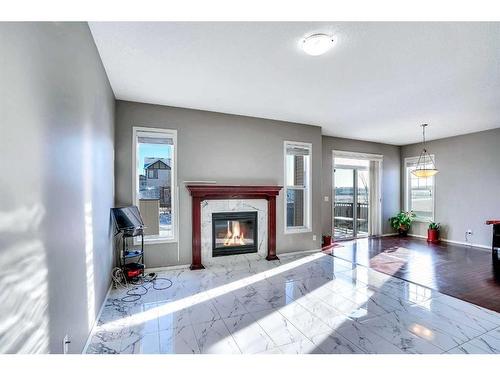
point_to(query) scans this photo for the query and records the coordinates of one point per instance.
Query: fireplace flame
(234, 234)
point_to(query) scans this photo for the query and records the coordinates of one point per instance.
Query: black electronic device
(128, 220)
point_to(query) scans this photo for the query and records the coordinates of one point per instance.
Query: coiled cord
(140, 287)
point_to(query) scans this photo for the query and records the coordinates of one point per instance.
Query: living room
(250, 187)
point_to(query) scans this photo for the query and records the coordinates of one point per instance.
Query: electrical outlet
(327, 198)
(66, 342)
(468, 234)
(314, 237)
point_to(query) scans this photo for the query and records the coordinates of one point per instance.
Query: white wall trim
(473, 245)
(186, 266)
(167, 268)
(290, 253)
(476, 245)
(308, 189)
(360, 156)
(357, 155)
(175, 187)
(94, 326)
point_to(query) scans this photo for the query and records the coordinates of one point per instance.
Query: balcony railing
(345, 209)
(343, 218)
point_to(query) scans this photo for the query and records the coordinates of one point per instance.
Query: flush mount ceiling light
(316, 44)
(425, 165)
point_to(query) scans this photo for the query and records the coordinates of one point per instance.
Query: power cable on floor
(139, 287)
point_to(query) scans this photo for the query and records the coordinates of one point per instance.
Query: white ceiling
(379, 82)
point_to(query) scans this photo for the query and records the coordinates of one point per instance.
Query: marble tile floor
(303, 303)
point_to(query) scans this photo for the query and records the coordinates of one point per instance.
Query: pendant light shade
(425, 165)
(425, 172)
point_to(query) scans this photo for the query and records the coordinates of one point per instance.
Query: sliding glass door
(351, 201)
(343, 217)
(362, 202)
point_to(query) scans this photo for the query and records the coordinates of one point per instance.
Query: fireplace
(205, 192)
(234, 233)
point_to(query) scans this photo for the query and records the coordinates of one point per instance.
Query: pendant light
(425, 164)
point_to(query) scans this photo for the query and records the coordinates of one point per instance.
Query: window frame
(171, 133)
(307, 227)
(408, 162)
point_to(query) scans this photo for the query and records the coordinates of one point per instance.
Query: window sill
(153, 241)
(298, 230)
(161, 240)
(427, 221)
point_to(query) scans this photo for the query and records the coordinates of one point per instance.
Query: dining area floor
(460, 271)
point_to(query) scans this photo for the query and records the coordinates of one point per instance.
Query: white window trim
(357, 155)
(360, 156)
(135, 183)
(308, 198)
(414, 160)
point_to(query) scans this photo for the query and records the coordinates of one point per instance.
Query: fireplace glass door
(234, 233)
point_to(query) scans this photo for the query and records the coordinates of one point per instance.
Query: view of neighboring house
(155, 181)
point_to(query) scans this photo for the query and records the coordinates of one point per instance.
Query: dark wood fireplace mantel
(200, 193)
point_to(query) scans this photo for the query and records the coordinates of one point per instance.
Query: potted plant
(433, 232)
(402, 222)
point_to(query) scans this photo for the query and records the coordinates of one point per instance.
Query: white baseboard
(387, 235)
(92, 331)
(419, 236)
(167, 268)
(184, 266)
(289, 253)
(475, 245)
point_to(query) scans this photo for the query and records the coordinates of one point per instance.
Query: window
(153, 173)
(419, 192)
(297, 187)
(154, 181)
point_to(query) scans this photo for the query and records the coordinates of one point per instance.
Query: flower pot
(433, 235)
(327, 241)
(403, 231)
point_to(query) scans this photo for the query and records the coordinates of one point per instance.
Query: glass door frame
(376, 189)
(355, 169)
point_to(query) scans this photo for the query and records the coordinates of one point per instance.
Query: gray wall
(467, 185)
(225, 148)
(390, 176)
(56, 185)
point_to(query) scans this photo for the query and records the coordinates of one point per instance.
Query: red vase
(433, 235)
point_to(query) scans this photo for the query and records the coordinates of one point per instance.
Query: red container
(433, 235)
(327, 241)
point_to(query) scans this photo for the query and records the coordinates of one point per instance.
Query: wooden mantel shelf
(233, 191)
(492, 222)
(201, 192)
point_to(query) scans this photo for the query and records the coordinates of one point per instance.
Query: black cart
(129, 226)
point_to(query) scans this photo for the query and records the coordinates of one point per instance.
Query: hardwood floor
(456, 270)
